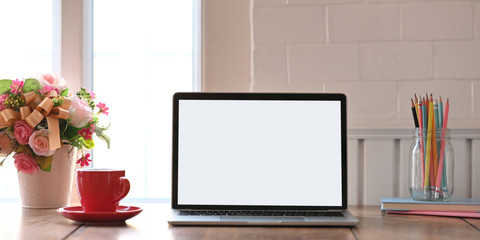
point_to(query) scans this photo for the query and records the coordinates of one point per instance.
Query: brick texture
(437, 21)
(323, 63)
(399, 61)
(354, 23)
(289, 25)
(457, 60)
(271, 64)
(378, 52)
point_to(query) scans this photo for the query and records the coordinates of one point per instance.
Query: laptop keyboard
(259, 213)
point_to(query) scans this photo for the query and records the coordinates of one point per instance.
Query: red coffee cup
(100, 190)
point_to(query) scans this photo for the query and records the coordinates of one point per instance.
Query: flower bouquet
(39, 115)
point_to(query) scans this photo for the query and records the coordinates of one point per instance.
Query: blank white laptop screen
(259, 152)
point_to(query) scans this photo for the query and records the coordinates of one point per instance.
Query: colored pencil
(428, 158)
(416, 106)
(434, 140)
(430, 117)
(425, 132)
(440, 112)
(442, 150)
(414, 112)
(420, 132)
(444, 175)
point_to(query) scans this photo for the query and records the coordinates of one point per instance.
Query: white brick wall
(396, 60)
(289, 25)
(259, 3)
(457, 60)
(361, 22)
(320, 63)
(437, 21)
(378, 52)
(477, 20)
(367, 100)
(271, 64)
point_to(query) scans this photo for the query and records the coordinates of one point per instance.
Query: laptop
(259, 159)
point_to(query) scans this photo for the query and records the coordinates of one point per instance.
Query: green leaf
(88, 144)
(64, 93)
(23, 149)
(5, 85)
(105, 138)
(45, 163)
(31, 84)
(100, 134)
(70, 132)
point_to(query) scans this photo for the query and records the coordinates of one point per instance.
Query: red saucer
(77, 214)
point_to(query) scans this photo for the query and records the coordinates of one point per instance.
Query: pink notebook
(439, 213)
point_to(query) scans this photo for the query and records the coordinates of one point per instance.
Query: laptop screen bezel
(177, 97)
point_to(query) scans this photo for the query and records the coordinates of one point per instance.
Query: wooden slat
(462, 162)
(403, 171)
(474, 221)
(352, 169)
(19, 223)
(152, 224)
(476, 168)
(378, 170)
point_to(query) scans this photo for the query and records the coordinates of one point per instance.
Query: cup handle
(124, 187)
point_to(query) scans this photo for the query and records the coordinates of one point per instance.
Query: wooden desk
(19, 223)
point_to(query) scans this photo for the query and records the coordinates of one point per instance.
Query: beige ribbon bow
(44, 109)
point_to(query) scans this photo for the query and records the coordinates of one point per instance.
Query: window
(142, 54)
(26, 49)
(27, 37)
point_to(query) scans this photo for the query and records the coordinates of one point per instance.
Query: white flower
(80, 112)
(53, 80)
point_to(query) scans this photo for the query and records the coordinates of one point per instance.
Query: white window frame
(74, 54)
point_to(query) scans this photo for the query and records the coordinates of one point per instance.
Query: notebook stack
(459, 207)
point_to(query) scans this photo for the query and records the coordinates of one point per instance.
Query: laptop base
(347, 220)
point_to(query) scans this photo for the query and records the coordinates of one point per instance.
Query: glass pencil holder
(431, 165)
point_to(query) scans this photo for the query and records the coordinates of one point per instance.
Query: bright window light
(142, 54)
(26, 42)
(26, 50)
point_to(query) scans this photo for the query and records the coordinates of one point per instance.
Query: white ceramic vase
(50, 189)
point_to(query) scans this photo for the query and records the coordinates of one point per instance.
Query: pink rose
(2, 100)
(22, 132)
(80, 112)
(25, 163)
(52, 80)
(40, 144)
(6, 144)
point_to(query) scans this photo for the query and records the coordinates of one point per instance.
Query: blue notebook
(409, 204)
